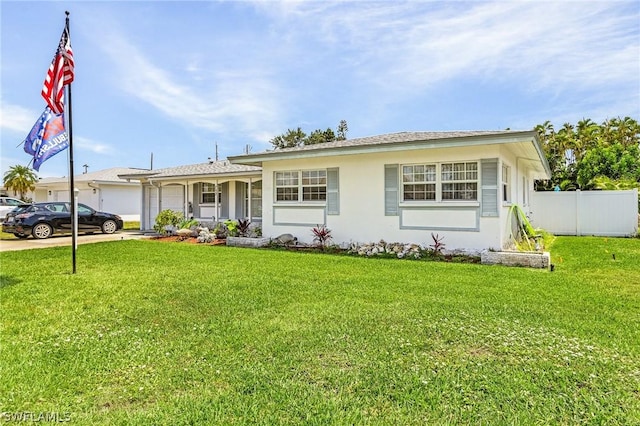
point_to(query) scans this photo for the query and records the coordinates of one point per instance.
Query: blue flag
(47, 138)
(34, 139)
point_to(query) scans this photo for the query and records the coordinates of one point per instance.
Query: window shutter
(489, 179)
(333, 192)
(241, 197)
(391, 190)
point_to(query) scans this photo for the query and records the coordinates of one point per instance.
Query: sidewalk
(65, 240)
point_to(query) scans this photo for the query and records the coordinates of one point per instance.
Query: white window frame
(300, 186)
(506, 184)
(213, 191)
(469, 175)
(419, 182)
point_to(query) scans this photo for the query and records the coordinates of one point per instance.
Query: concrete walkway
(65, 240)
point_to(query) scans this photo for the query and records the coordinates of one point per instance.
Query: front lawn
(173, 333)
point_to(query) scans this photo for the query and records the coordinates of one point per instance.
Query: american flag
(59, 75)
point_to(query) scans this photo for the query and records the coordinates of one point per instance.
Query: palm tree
(20, 179)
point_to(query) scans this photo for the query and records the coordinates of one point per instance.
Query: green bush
(167, 218)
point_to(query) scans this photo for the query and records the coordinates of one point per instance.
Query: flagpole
(72, 194)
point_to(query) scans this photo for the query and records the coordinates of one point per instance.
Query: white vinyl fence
(602, 213)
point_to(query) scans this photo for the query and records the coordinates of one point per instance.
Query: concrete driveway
(65, 240)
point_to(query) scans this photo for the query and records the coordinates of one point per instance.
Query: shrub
(187, 224)
(232, 227)
(165, 219)
(438, 245)
(243, 227)
(321, 234)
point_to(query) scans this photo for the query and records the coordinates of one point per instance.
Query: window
(256, 199)
(460, 181)
(287, 186)
(308, 185)
(314, 185)
(506, 188)
(419, 182)
(440, 182)
(209, 193)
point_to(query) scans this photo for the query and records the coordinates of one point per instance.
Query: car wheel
(109, 227)
(21, 236)
(41, 231)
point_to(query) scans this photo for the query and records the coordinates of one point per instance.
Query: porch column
(215, 204)
(186, 202)
(249, 200)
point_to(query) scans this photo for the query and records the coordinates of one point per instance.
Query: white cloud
(87, 144)
(241, 101)
(408, 45)
(16, 118)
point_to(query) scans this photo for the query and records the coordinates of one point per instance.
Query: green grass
(129, 226)
(173, 333)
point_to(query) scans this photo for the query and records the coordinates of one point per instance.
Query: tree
(578, 154)
(20, 180)
(297, 137)
(319, 136)
(615, 162)
(290, 139)
(342, 130)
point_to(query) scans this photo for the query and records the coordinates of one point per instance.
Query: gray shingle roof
(107, 175)
(380, 140)
(399, 138)
(201, 169)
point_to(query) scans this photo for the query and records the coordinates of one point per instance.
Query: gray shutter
(391, 190)
(489, 188)
(197, 199)
(333, 192)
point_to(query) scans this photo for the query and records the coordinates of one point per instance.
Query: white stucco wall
(362, 216)
(123, 200)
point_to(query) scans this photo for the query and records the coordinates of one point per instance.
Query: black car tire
(41, 231)
(21, 236)
(109, 227)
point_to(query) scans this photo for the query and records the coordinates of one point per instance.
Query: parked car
(44, 219)
(7, 204)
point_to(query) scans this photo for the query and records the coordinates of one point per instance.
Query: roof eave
(207, 175)
(451, 142)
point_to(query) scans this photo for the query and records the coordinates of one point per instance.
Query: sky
(173, 80)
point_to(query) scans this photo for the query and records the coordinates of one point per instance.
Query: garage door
(173, 198)
(61, 196)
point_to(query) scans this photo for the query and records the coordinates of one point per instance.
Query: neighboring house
(398, 187)
(102, 190)
(212, 191)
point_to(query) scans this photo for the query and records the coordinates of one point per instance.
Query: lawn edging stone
(248, 241)
(541, 260)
